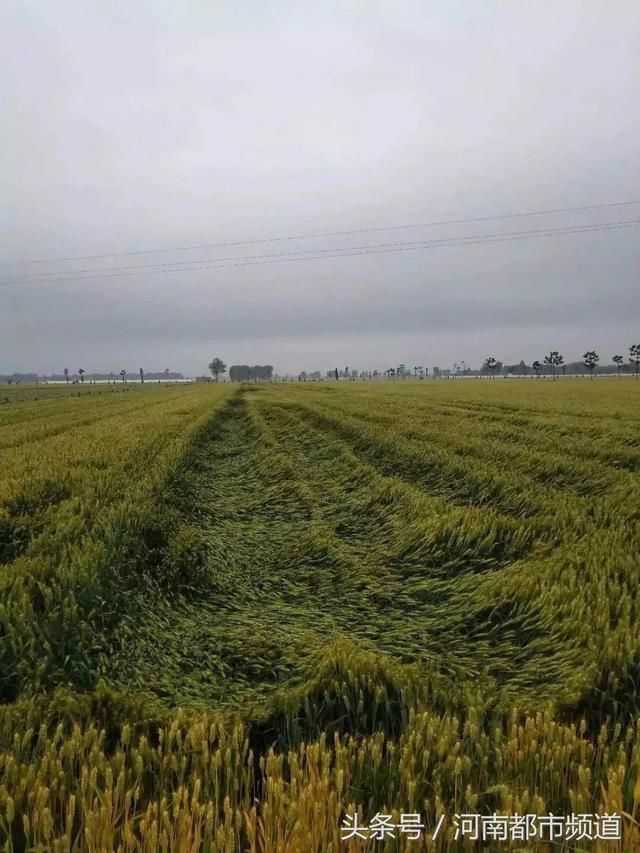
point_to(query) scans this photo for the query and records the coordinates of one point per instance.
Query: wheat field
(231, 615)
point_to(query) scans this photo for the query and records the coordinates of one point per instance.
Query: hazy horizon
(155, 373)
(135, 127)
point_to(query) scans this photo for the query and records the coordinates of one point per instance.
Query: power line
(326, 234)
(349, 251)
(334, 251)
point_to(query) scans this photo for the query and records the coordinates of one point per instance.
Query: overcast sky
(133, 126)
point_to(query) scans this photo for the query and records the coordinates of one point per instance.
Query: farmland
(230, 614)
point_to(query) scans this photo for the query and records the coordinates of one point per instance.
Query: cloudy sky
(136, 130)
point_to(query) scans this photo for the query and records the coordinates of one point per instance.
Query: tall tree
(553, 360)
(217, 366)
(66, 374)
(537, 367)
(559, 362)
(141, 376)
(634, 357)
(123, 374)
(618, 360)
(82, 373)
(590, 360)
(491, 364)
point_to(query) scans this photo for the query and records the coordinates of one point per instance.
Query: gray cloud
(131, 126)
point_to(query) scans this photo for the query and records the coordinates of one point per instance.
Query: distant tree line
(554, 362)
(81, 376)
(244, 373)
(551, 364)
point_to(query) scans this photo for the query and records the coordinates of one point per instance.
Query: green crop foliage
(231, 614)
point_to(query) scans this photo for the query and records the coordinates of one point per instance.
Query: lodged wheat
(229, 617)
